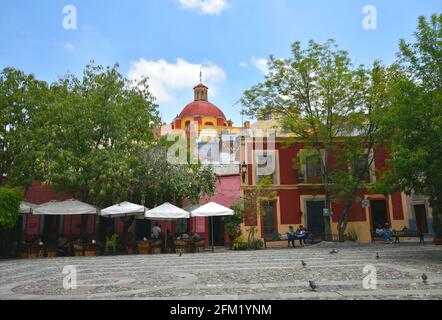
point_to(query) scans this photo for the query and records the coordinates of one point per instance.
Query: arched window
(209, 124)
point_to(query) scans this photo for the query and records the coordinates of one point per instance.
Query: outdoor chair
(156, 246)
(199, 246)
(144, 247)
(182, 246)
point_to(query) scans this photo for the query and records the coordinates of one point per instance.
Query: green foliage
(233, 223)
(92, 137)
(253, 198)
(414, 122)
(240, 243)
(9, 206)
(352, 235)
(329, 105)
(22, 97)
(256, 244)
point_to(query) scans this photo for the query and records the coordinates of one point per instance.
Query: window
(209, 123)
(266, 166)
(313, 169)
(364, 167)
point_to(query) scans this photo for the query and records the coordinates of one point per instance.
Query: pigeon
(303, 263)
(424, 277)
(181, 254)
(377, 255)
(313, 285)
(334, 251)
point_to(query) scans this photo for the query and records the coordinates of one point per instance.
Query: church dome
(201, 108)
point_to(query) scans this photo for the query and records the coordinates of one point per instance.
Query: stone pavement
(266, 274)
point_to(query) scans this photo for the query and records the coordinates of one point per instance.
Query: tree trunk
(343, 221)
(326, 176)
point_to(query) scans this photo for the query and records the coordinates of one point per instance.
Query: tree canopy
(92, 137)
(328, 104)
(414, 122)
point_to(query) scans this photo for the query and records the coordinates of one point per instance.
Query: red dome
(201, 108)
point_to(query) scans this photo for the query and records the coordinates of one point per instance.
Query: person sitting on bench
(291, 236)
(301, 234)
(384, 232)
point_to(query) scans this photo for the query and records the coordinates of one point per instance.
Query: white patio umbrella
(64, 208)
(26, 207)
(190, 208)
(123, 209)
(167, 211)
(211, 210)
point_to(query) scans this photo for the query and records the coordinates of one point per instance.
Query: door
(315, 218)
(268, 220)
(218, 231)
(51, 229)
(379, 213)
(142, 229)
(421, 218)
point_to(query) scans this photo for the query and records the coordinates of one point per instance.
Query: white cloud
(167, 79)
(261, 65)
(69, 46)
(243, 64)
(205, 7)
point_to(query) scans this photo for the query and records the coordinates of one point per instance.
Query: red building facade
(300, 195)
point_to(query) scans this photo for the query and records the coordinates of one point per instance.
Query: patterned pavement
(228, 275)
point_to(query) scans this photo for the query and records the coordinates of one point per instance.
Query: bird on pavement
(181, 254)
(312, 285)
(303, 263)
(377, 255)
(334, 251)
(424, 278)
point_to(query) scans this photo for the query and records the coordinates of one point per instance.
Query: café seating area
(112, 246)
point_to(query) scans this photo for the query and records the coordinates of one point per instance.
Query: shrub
(352, 235)
(233, 223)
(240, 243)
(10, 199)
(256, 245)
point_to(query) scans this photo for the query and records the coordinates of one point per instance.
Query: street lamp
(244, 171)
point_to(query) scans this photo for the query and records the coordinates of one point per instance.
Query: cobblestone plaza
(266, 274)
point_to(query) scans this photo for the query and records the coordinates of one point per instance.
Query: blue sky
(170, 40)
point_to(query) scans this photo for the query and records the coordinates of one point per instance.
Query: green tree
(88, 131)
(316, 95)
(22, 97)
(414, 123)
(156, 180)
(354, 157)
(10, 199)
